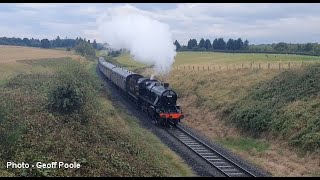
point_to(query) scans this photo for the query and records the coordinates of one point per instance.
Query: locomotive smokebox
(166, 85)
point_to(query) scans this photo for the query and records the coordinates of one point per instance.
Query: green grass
(262, 110)
(166, 159)
(128, 62)
(288, 105)
(110, 144)
(229, 58)
(245, 144)
(61, 49)
(284, 103)
(225, 60)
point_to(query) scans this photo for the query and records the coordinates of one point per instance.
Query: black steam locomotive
(157, 99)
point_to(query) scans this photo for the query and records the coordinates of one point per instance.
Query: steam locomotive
(155, 98)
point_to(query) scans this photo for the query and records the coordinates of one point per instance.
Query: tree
(238, 44)
(177, 44)
(215, 44)
(45, 43)
(202, 43)
(282, 47)
(207, 44)
(192, 44)
(308, 47)
(58, 42)
(35, 43)
(26, 41)
(85, 49)
(221, 44)
(230, 44)
(246, 44)
(94, 44)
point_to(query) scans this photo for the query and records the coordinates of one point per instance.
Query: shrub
(72, 91)
(67, 98)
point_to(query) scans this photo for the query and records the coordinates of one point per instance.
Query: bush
(115, 53)
(72, 92)
(67, 98)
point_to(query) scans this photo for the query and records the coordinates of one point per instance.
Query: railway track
(216, 159)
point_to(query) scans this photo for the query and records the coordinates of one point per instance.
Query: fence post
(279, 66)
(242, 66)
(184, 67)
(289, 65)
(202, 67)
(192, 68)
(250, 65)
(268, 65)
(198, 68)
(208, 68)
(259, 65)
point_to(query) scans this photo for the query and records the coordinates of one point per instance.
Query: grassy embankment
(268, 116)
(102, 138)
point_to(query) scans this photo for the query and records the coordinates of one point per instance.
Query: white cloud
(258, 22)
(39, 5)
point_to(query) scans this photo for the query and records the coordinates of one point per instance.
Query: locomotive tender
(157, 99)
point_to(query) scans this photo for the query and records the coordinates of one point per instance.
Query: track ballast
(213, 157)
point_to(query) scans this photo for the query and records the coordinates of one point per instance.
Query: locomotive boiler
(155, 98)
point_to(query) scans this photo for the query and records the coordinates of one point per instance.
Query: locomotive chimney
(166, 85)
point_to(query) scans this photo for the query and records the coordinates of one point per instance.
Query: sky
(260, 23)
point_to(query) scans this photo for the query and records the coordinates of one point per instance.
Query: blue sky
(257, 22)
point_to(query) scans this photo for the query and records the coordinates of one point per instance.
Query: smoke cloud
(148, 40)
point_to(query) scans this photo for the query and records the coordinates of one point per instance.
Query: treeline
(219, 44)
(45, 43)
(287, 48)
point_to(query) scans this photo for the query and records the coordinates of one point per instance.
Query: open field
(227, 106)
(213, 61)
(13, 53)
(103, 139)
(184, 58)
(10, 56)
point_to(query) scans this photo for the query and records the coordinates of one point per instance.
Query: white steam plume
(149, 41)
